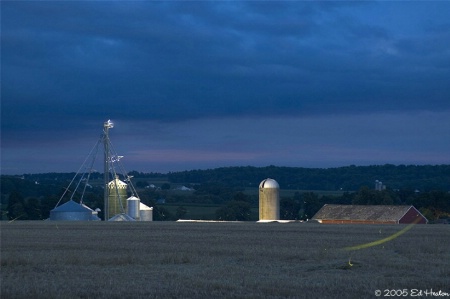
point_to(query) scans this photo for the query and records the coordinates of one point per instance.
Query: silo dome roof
(118, 183)
(269, 183)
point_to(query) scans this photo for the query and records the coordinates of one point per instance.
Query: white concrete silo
(269, 200)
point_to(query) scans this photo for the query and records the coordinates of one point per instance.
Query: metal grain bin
(133, 207)
(71, 211)
(117, 197)
(146, 212)
(121, 217)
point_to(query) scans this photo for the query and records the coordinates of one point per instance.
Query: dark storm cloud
(68, 64)
(177, 60)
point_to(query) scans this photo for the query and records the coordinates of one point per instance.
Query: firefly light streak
(382, 241)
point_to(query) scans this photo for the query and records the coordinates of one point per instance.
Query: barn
(369, 214)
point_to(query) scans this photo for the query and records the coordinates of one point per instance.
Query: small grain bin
(269, 200)
(146, 212)
(121, 217)
(133, 207)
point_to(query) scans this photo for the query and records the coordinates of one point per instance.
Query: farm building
(368, 214)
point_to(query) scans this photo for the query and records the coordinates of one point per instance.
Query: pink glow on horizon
(189, 155)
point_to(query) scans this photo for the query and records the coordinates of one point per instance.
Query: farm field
(43, 259)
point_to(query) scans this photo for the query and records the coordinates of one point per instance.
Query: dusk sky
(205, 84)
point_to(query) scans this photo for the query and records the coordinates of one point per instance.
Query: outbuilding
(369, 214)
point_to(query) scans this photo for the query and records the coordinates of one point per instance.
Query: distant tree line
(32, 196)
(349, 178)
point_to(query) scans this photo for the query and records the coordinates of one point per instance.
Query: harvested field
(218, 260)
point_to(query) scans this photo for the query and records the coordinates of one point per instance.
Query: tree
(312, 204)
(384, 198)
(165, 186)
(225, 214)
(366, 196)
(242, 209)
(241, 196)
(16, 206)
(48, 204)
(181, 212)
(161, 214)
(141, 184)
(289, 208)
(235, 211)
(363, 197)
(436, 203)
(33, 209)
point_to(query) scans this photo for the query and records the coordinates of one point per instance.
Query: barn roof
(362, 212)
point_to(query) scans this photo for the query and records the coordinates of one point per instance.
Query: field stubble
(217, 260)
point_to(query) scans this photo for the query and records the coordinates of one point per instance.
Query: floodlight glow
(109, 124)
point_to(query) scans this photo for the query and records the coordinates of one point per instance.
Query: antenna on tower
(106, 126)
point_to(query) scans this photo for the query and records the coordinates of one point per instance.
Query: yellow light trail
(387, 239)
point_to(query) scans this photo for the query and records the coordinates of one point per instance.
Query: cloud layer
(69, 66)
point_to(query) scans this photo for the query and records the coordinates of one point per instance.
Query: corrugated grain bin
(133, 207)
(146, 212)
(121, 217)
(117, 197)
(71, 211)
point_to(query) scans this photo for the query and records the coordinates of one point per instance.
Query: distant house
(367, 214)
(184, 188)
